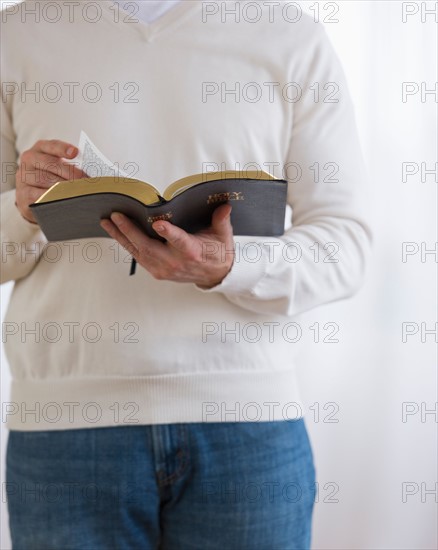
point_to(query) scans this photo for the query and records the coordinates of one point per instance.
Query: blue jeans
(203, 486)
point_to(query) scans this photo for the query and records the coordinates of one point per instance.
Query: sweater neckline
(149, 31)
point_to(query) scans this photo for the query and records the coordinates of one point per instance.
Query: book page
(93, 162)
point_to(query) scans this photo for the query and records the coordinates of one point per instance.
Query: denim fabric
(203, 486)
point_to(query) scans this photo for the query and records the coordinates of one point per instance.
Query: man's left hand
(203, 258)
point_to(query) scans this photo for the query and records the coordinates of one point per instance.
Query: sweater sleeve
(323, 255)
(22, 242)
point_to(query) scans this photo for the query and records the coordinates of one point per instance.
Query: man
(161, 410)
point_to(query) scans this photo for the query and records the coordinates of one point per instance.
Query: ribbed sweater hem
(71, 403)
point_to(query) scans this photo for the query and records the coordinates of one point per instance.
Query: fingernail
(159, 227)
(116, 217)
(70, 151)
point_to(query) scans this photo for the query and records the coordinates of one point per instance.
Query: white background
(364, 459)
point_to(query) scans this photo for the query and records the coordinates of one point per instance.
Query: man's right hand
(42, 166)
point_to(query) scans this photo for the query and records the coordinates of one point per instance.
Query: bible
(73, 209)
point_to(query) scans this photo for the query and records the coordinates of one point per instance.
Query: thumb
(221, 222)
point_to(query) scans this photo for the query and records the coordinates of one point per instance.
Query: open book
(73, 209)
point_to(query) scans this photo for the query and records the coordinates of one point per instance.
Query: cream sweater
(196, 90)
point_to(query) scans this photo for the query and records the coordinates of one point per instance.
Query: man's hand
(41, 166)
(204, 258)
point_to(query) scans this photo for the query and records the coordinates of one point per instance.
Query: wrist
(217, 281)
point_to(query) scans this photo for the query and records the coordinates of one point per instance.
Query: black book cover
(258, 210)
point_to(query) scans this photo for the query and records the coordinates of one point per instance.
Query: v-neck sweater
(198, 89)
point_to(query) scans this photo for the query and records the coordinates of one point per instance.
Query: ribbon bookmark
(133, 266)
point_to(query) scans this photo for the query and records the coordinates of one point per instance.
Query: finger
(136, 235)
(113, 232)
(34, 193)
(221, 222)
(56, 148)
(48, 163)
(29, 195)
(56, 166)
(26, 197)
(37, 178)
(45, 179)
(175, 236)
